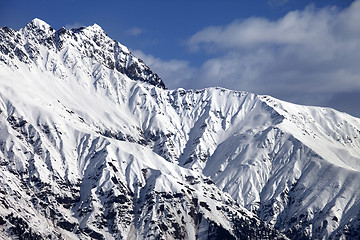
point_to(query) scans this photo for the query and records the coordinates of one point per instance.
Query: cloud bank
(310, 57)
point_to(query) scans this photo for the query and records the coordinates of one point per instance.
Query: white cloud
(309, 57)
(313, 53)
(175, 73)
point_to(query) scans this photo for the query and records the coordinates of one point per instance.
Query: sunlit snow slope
(92, 145)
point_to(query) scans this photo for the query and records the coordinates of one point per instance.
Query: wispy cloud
(74, 25)
(175, 73)
(135, 31)
(300, 56)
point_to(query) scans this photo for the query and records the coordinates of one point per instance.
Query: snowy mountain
(93, 146)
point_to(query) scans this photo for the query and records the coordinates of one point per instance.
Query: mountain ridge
(113, 56)
(233, 163)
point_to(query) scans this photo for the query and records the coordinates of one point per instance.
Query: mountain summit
(38, 38)
(93, 146)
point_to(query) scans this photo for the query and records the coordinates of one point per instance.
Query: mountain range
(94, 146)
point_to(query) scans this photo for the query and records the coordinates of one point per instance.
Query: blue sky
(306, 52)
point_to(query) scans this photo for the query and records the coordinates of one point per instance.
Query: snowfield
(93, 146)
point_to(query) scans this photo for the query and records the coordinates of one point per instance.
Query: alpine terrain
(93, 146)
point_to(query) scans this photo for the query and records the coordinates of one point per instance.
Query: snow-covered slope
(92, 145)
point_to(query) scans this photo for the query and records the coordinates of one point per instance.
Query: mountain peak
(38, 28)
(95, 28)
(40, 23)
(91, 42)
(37, 23)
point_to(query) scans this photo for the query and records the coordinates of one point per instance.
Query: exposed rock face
(92, 146)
